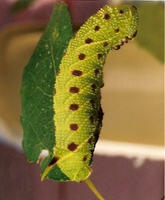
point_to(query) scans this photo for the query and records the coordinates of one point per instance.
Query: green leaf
(38, 86)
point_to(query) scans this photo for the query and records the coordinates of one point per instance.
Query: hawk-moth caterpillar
(78, 113)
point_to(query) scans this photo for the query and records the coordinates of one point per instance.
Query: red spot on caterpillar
(96, 71)
(74, 106)
(121, 11)
(72, 146)
(105, 44)
(134, 7)
(102, 85)
(117, 30)
(121, 43)
(92, 102)
(74, 90)
(53, 161)
(85, 158)
(97, 28)
(88, 40)
(73, 127)
(106, 16)
(125, 40)
(91, 119)
(77, 72)
(133, 35)
(117, 47)
(54, 91)
(93, 87)
(99, 56)
(81, 56)
(128, 38)
(90, 140)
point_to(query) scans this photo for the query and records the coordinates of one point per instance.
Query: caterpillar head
(122, 23)
(131, 12)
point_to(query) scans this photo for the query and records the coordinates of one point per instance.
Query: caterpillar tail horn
(94, 190)
(45, 172)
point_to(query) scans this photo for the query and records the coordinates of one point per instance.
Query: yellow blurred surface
(132, 97)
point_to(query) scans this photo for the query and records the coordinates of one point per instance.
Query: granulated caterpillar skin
(78, 114)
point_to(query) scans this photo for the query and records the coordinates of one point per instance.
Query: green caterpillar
(78, 114)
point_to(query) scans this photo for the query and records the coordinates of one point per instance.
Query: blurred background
(129, 156)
